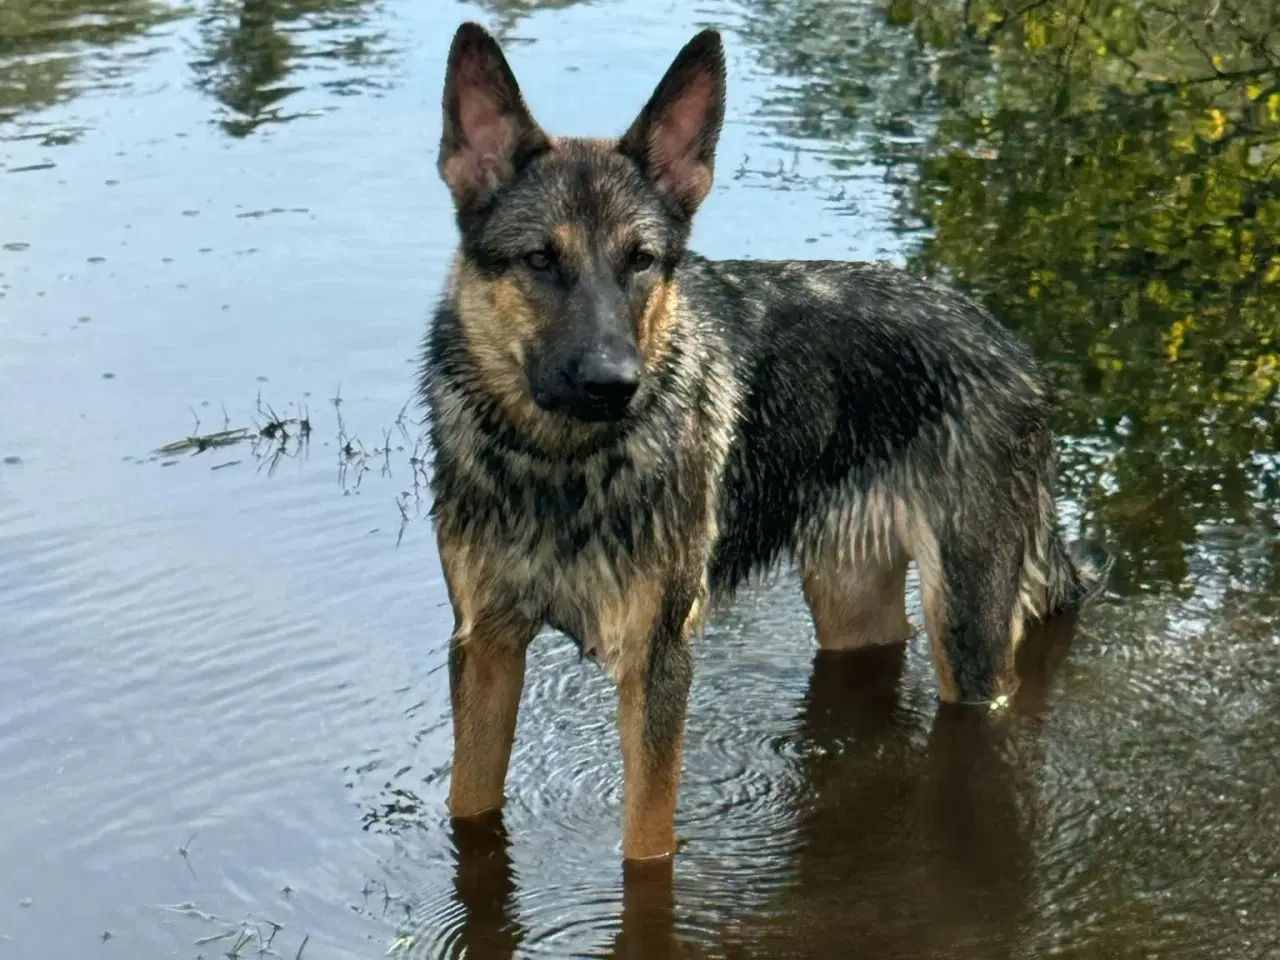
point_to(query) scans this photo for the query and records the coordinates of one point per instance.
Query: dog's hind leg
(973, 615)
(486, 677)
(859, 603)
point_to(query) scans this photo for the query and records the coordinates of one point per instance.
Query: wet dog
(624, 432)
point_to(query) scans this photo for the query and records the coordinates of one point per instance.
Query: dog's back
(860, 384)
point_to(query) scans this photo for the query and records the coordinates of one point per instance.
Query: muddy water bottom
(224, 723)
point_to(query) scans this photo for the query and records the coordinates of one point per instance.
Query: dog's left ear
(488, 134)
(674, 138)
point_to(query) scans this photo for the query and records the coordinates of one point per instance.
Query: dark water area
(224, 724)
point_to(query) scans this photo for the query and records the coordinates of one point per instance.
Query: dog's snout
(610, 376)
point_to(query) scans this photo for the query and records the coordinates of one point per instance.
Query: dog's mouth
(584, 407)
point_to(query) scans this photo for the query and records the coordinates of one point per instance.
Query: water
(223, 704)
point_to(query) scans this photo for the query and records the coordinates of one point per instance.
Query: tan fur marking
(571, 241)
(512, 308)
(491, 638)
(858, 606)
(657, 323)
(623, 629)
(650, 786)
(1006, 684)
(1018, 632)
(696, 621)
(922, 545)
(936, 624)
(486, 704)
(498, 320)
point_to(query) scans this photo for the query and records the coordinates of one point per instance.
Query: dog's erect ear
(674, 138)
(488, 133)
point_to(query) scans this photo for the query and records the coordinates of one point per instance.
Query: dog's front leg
(653, 695)
(486, 676)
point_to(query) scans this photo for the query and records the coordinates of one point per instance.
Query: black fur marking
(669, 671)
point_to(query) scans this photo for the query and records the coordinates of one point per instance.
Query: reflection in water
(250, 56)
(506, 14)
(908, 849)
(648, 915)
(1106, 175)
(917, 854)
(485, 888)
(905, 849)
(49, 51)
(252, 51)
(488, 926)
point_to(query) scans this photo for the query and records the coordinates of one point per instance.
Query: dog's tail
(1078, 573)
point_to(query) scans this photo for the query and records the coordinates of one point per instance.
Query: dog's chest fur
(574, 539)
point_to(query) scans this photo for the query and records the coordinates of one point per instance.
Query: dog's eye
(641, 260)
(540, 259)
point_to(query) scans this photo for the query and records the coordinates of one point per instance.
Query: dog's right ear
(488, 133)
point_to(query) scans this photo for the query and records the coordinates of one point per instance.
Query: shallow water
(223, 704)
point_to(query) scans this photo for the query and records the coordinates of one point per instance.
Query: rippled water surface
(223, 703)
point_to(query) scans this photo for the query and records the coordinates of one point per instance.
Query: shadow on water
(1106, 175)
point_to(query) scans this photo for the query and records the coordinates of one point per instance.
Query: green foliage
(1105, 174)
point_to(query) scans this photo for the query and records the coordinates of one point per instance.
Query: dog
(624, 432)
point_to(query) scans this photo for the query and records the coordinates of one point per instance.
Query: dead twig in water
(287, 433)
(184, 852)
(199, 443)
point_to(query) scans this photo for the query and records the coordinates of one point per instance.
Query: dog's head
(569, 246)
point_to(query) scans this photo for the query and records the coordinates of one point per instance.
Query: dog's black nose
(610, 377)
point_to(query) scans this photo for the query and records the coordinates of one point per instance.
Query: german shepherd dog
(624, 432)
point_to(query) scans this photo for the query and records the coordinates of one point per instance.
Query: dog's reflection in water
(905, 849)
(485, 886)
(491, 929)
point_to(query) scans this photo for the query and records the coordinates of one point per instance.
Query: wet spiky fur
(847, 417)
